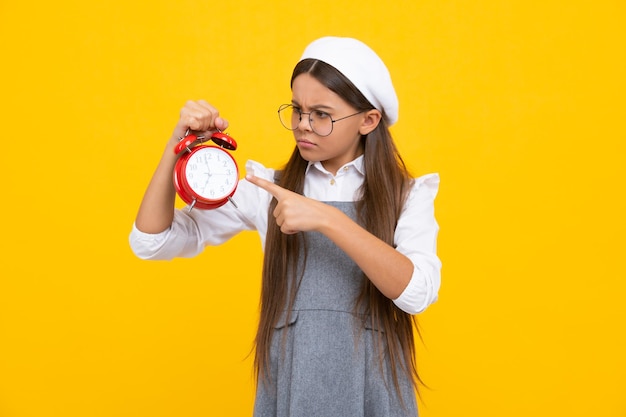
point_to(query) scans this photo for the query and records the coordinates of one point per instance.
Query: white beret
(362, 66)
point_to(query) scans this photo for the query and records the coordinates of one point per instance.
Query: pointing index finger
(276, 190)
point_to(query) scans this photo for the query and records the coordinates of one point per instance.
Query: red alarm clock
(206, 176)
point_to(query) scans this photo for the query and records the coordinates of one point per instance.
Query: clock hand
(208, 166)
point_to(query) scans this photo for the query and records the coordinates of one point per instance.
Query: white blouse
(415, 235)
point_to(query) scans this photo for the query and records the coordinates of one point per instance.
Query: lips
(305, 143)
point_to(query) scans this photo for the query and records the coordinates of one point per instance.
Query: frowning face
(344, 142)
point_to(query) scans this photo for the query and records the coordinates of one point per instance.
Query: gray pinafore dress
(326, 364)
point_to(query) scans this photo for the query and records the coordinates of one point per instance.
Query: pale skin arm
(389, 270)
(156, 211)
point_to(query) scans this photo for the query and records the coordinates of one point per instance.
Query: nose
(305, 122)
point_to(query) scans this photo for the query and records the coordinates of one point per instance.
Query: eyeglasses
(321, 122)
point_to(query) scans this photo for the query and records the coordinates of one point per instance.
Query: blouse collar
(356, 163)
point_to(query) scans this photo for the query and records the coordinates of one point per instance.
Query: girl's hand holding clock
(200, 118)
(157, 206)
(205, 176)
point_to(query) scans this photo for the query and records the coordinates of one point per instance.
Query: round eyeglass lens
(289, 118)
(321, 123)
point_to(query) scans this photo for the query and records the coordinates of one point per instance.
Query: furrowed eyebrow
(320, 107)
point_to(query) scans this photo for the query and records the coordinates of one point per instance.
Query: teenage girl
(349, 241)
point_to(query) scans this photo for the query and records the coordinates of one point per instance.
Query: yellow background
(519, 105)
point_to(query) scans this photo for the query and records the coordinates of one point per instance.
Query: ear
(370, 121)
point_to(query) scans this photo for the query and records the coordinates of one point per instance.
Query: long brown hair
(384, 192)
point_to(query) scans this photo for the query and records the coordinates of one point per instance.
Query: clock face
(211, 173)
